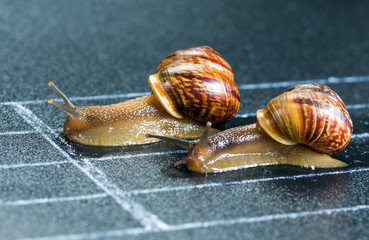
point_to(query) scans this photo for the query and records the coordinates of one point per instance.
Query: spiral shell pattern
(197, 82)
(311, 114)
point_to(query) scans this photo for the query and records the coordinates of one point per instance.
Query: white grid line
(251, 86)
(208, 185)
(240, 115)
(330, 80)
(207, 224)
(138, 155)
(147, 219)
(79, 98)
(51, 200)
(108, 158)
(17, 133)
(37, 164)
(182, 188)
(348, 107)
(361, 135)
(357, 106)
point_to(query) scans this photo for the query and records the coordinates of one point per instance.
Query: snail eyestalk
(204, 138)
(177, 141)
(62, 95)
(69, 107)
(185, 143)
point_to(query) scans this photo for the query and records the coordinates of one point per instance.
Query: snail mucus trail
(300, 127)
(191, 86)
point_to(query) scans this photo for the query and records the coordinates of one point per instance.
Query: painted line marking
(51, 200)
(138, 155)
(360, 135)
(17, 133)
(357, 106)
(251, 86)
(330, 80)
(208, 185)
(38, 164)
(107, 158)
(206, 224)
(78, 98)
(147, 219)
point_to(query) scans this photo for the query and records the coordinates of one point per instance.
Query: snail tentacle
(62, 95)
(183, 143)
(69, 107)
(205, 136)
(199, 147)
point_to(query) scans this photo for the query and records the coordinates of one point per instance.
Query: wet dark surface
(51, 187)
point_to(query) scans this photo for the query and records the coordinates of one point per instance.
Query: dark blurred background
(93, 47)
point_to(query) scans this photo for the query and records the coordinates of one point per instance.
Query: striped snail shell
(198, 83)
(311, 114)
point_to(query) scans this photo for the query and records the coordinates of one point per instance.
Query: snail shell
(198, 83)
(311, 114)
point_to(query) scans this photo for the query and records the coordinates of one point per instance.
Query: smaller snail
(300, 127)
(191, 86)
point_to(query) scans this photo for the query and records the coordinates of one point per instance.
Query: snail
(301, 127)
(191, 86)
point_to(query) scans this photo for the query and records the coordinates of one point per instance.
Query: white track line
(240, 115)
(38, 164)
(187, 188)
(51, 200)
(348, 107)
(330, 80)
(21, 132)
(147, 219)
(206, 224)
(113, 96)
(245, 115)
(357, 106)
(78, 98)
(17, 133)
(107, 158)
(138, 155)
(209, 185)
(361, 135)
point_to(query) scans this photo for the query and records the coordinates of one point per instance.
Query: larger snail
(190, 87)
(301, 127)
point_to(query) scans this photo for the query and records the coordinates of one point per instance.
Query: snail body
(125, 123)
(199, 77)
(252, 145)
